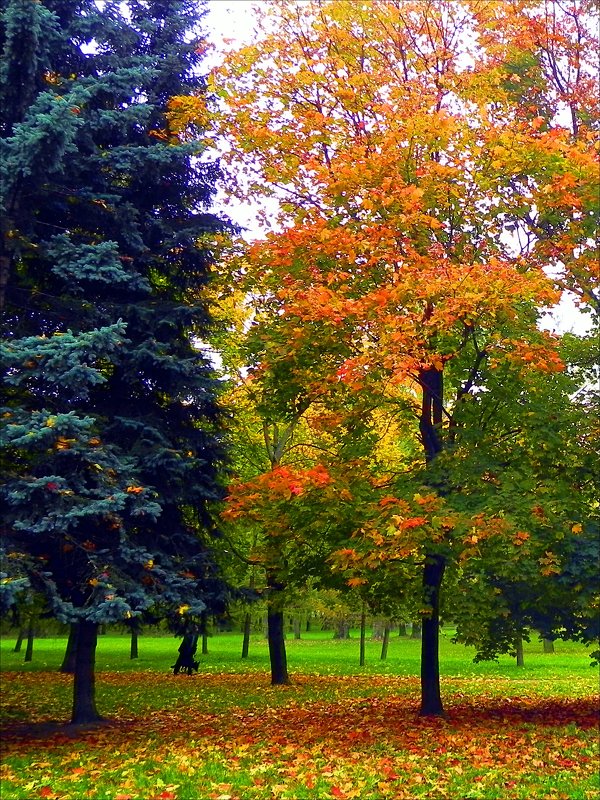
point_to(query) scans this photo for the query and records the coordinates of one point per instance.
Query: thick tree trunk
(431, 699)
(133, 649)
(276, 632)
(342, 629)
(68, 664)
(548, 645)
(417, 631)
(277, 654)
(363, 634)
(519, 649)
(385, 643)
(379, 625)
(247, 631)
(84, 685)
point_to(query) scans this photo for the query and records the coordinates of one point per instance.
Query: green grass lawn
(339, 730)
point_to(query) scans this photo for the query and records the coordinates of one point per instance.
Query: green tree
(433, 160)
(110, 425)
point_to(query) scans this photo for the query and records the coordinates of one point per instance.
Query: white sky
(232, 19)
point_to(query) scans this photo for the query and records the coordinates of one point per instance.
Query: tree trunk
(133, 650)
(363, 634)
(297, 628)
(417, 631)
(30, 636)
(431, 699)
(84, 685)
(402, 629)
(19, 642)
(277, 654)
(342, 630)
(276, 632)
(247, 631)
(548, 645)
(519, 649)
(385, 643)
(204, 643)
(68, 664)
(378, 628)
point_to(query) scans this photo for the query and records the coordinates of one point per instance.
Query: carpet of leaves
(325, 737)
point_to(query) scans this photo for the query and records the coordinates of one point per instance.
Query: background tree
(110, 425)
(409, 144)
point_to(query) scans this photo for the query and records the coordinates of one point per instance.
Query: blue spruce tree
(110, 433)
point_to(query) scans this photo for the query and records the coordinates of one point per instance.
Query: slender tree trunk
(431, 381)
(133, 650)
(204, 643)
(519, 648)
(363, 633)
(307, 627)
(385, 642)
(68, 664)
(297, 628)
(19, 642)
(431, 699)
(84, 685)
(548, 645)
(276, 632)
(417, 631)
(402, 629)
(30, 637)
(247, 631)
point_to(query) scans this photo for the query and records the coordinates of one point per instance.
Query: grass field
(340, 731)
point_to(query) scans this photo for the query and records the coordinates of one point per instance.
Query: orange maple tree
(434, 162)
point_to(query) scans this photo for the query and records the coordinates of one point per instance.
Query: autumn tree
(434, 165)
(111, 441)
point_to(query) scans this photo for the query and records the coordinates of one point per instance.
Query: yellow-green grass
(338, 731)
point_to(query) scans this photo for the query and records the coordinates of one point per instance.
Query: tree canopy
(436, 175)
